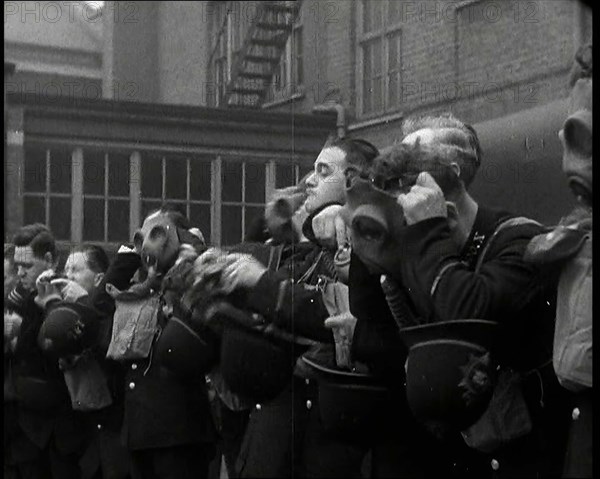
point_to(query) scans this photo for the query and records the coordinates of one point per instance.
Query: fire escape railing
(253, 66)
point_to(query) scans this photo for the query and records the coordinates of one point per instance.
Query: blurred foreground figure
(44, 437)
(568, 249)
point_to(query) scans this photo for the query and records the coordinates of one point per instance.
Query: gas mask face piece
(376, 222)
(157, 242)
(576, 137)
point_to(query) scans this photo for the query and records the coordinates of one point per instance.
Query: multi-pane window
(289, 75)
(242, 197)
(380, 65)
(290, 174)
(47, 189)
(184, 182)
(105, 196)
(114, 190)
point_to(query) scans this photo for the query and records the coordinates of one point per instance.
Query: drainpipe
(339, 109)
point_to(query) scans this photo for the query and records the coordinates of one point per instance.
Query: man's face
(327, 182)
(29, 266)
(78, 270)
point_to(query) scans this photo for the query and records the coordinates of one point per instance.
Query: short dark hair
(95, 256)
(462, 135)
(38, 237)
(359, 153)
(405, 162)
(174, 214)
(582, 66)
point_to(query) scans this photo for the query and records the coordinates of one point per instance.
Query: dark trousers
(48, 463)
(25, 460)
(285, 438)
(231, 427)
(179, 462)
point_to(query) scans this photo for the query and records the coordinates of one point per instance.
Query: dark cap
(69, 328)
(449, 370)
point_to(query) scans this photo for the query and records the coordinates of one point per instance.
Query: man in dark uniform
(166, 426)
(434, 261)
(47, 436)
(285, 437)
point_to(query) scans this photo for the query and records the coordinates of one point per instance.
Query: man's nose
(311, 180)
(21, 271)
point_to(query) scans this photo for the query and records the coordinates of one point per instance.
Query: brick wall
(484, 60)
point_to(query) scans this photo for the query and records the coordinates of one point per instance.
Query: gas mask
(376, 222)
(280, 211)
(158, 241)
(576, 136)
(372, 211)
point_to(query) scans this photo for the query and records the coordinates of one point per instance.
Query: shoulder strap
(275, 257)
(507, 223)
(306, 276)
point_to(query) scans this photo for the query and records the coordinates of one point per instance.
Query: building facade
(500, 65)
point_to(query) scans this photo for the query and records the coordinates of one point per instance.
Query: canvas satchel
(135, 324)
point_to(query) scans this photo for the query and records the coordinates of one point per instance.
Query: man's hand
(69, 290)
(329, 227)
(209, 265)
(12, 325)
(244, 272)
(424, 200)
(46, 291)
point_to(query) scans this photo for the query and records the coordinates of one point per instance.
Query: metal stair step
(246, 91)
(268, 43)
(259, 59)
(260, 76)
(275, 26)
(275, 7)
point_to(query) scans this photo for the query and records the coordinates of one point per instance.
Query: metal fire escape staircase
(256, 63)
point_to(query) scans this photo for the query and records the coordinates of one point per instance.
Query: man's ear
(49, 259)
(98, 279)
(456, 168)
(452, 214)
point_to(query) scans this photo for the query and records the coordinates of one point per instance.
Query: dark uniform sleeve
(298, 308)
(119, 274)
(432, 272)
(376, 341)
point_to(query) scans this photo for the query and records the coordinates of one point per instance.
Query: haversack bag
(135, 325)
(87, 384)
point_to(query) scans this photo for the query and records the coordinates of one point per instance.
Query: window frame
(290, 64)
(384, 34)
(48, 194)
(136, 157)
